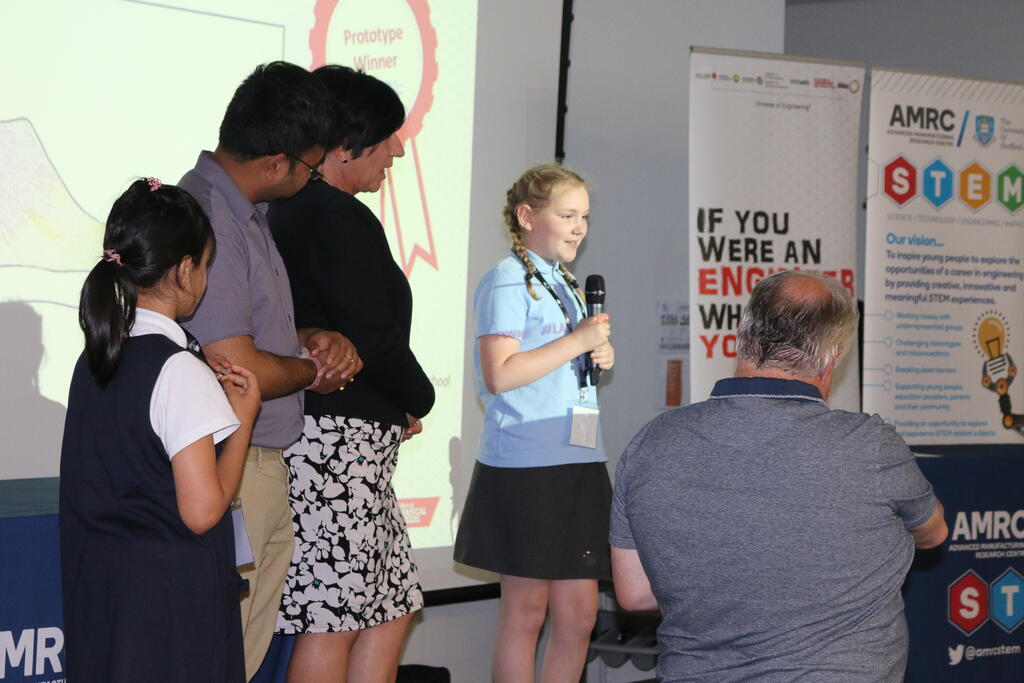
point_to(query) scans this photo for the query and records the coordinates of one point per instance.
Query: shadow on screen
(459, 473)
(32, 424)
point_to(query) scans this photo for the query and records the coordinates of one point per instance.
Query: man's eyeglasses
(314, 172)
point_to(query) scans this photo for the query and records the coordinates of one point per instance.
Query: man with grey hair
(774, 533)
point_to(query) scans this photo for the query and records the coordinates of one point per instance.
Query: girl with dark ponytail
(149, 232)
(147, 552)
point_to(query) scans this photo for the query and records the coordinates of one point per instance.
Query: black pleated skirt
(537, 522)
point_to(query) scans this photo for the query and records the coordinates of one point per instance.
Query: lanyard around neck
(577, 363)
(558, 300)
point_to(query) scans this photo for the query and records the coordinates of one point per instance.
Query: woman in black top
(351, 588)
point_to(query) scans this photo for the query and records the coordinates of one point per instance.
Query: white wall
(626, 132)
(974, 39)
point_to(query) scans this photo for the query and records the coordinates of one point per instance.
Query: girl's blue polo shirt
(529, 426)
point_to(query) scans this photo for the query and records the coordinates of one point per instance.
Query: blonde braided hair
(535, 188)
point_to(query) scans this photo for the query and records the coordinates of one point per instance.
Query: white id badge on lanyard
(584, 426)
(243, 551)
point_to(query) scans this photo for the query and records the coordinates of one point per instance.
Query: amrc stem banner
(944, 311)
(773, 181)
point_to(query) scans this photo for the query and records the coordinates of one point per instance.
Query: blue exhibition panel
(965, 600)
(31, 635)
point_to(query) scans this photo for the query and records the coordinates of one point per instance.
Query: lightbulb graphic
(999, 370)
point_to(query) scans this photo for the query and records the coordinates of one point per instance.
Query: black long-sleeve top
(344, 278)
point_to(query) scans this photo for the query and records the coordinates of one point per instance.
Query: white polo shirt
(187, 402)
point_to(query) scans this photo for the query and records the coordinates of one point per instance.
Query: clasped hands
(339, 360)
(340, 364)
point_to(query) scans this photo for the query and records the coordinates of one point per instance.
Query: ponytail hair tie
(154, 183)
(112, 255)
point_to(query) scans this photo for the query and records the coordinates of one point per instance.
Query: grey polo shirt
(774, 533)
(248, 290)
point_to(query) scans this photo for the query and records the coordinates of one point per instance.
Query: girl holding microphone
(537, 509)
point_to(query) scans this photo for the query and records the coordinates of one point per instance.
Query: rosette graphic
(392, 40)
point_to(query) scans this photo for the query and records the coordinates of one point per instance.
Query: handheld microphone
(595, 305)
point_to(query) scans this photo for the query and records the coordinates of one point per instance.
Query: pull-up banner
(773, 181)
(944, 284)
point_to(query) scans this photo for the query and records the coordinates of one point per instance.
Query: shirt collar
(546, 269)
(151, 322)
(766, 387)
(243, 209)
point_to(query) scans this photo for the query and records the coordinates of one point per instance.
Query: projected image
(138, 89)
(47, 241)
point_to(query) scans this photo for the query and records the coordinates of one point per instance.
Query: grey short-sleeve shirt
(774, 533)
(248, 292)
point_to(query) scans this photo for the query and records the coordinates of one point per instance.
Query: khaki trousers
(268, 521)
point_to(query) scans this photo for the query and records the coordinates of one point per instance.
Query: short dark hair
(367, 111)
(796, 332)
(279, 109)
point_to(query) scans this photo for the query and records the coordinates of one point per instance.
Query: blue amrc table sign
(31, 633)
(965, 600)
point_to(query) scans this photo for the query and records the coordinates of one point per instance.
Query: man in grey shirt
(272, 140)
(774, 533)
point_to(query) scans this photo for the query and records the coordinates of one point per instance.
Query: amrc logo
(923, 118)
(35, 650)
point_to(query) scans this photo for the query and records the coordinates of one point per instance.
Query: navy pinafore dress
(145, 599)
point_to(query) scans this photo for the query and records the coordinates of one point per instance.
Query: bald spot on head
(804, 289)
(795, 326)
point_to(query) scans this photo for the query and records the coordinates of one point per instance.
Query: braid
(520, 250)
(534, 188)
(572, 281)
